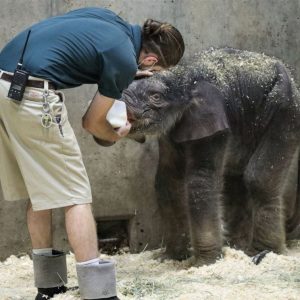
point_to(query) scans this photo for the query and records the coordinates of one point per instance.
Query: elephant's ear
(204, 116)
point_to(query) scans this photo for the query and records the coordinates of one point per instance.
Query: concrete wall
(122, 176)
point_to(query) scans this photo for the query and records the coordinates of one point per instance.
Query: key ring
(46, 119)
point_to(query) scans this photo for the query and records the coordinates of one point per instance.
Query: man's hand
(124, 130)
(143, 73)
(121, 131)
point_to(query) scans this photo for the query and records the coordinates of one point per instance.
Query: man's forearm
(94, 121)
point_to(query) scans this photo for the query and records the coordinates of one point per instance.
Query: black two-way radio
(20, 77)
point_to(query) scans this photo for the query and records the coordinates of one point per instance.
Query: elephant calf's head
(153, 104)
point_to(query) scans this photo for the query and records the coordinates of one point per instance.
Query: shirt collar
(137, 39)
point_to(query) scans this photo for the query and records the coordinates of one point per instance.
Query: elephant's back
(257, 89)
(227, 66)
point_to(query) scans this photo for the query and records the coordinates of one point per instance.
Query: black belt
(30, 82)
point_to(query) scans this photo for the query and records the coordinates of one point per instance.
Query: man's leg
(81, 230)
(96, 278)
(46, 261)
(40, 227)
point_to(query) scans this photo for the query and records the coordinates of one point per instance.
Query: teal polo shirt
(85, 46)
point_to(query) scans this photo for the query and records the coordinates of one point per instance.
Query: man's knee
(85, 206)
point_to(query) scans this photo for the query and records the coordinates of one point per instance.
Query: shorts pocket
(32, 108)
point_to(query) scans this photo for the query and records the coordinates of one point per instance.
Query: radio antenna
(20, 63)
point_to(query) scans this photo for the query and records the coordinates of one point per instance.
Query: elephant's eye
(157, 101)
(155, 97)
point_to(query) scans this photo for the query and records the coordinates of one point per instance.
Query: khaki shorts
(41, 164)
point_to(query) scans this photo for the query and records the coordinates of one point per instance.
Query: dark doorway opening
(112, 235)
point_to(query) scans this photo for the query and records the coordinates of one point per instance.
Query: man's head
(162, 46)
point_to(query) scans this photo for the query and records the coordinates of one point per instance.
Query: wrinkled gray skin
(228, 128)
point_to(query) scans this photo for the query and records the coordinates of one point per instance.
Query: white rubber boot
(97, 280)
(50, 274)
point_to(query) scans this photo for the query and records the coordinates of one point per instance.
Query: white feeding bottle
(117, 115)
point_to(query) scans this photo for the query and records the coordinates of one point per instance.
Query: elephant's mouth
(144, 126)
(134, 120)
(130, 116)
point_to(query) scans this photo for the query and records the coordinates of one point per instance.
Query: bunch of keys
(46, 119)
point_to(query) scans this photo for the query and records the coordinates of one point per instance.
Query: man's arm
(94, 120)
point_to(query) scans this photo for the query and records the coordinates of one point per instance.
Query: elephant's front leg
(204, 184)
(238, 212)
(171, 198)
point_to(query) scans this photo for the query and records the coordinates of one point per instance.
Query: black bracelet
(103, 143)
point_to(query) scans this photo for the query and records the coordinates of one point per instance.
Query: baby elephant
(228, 126)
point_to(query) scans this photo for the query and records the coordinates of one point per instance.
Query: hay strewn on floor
(141, 276)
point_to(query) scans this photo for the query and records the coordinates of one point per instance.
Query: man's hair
(164, 40)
